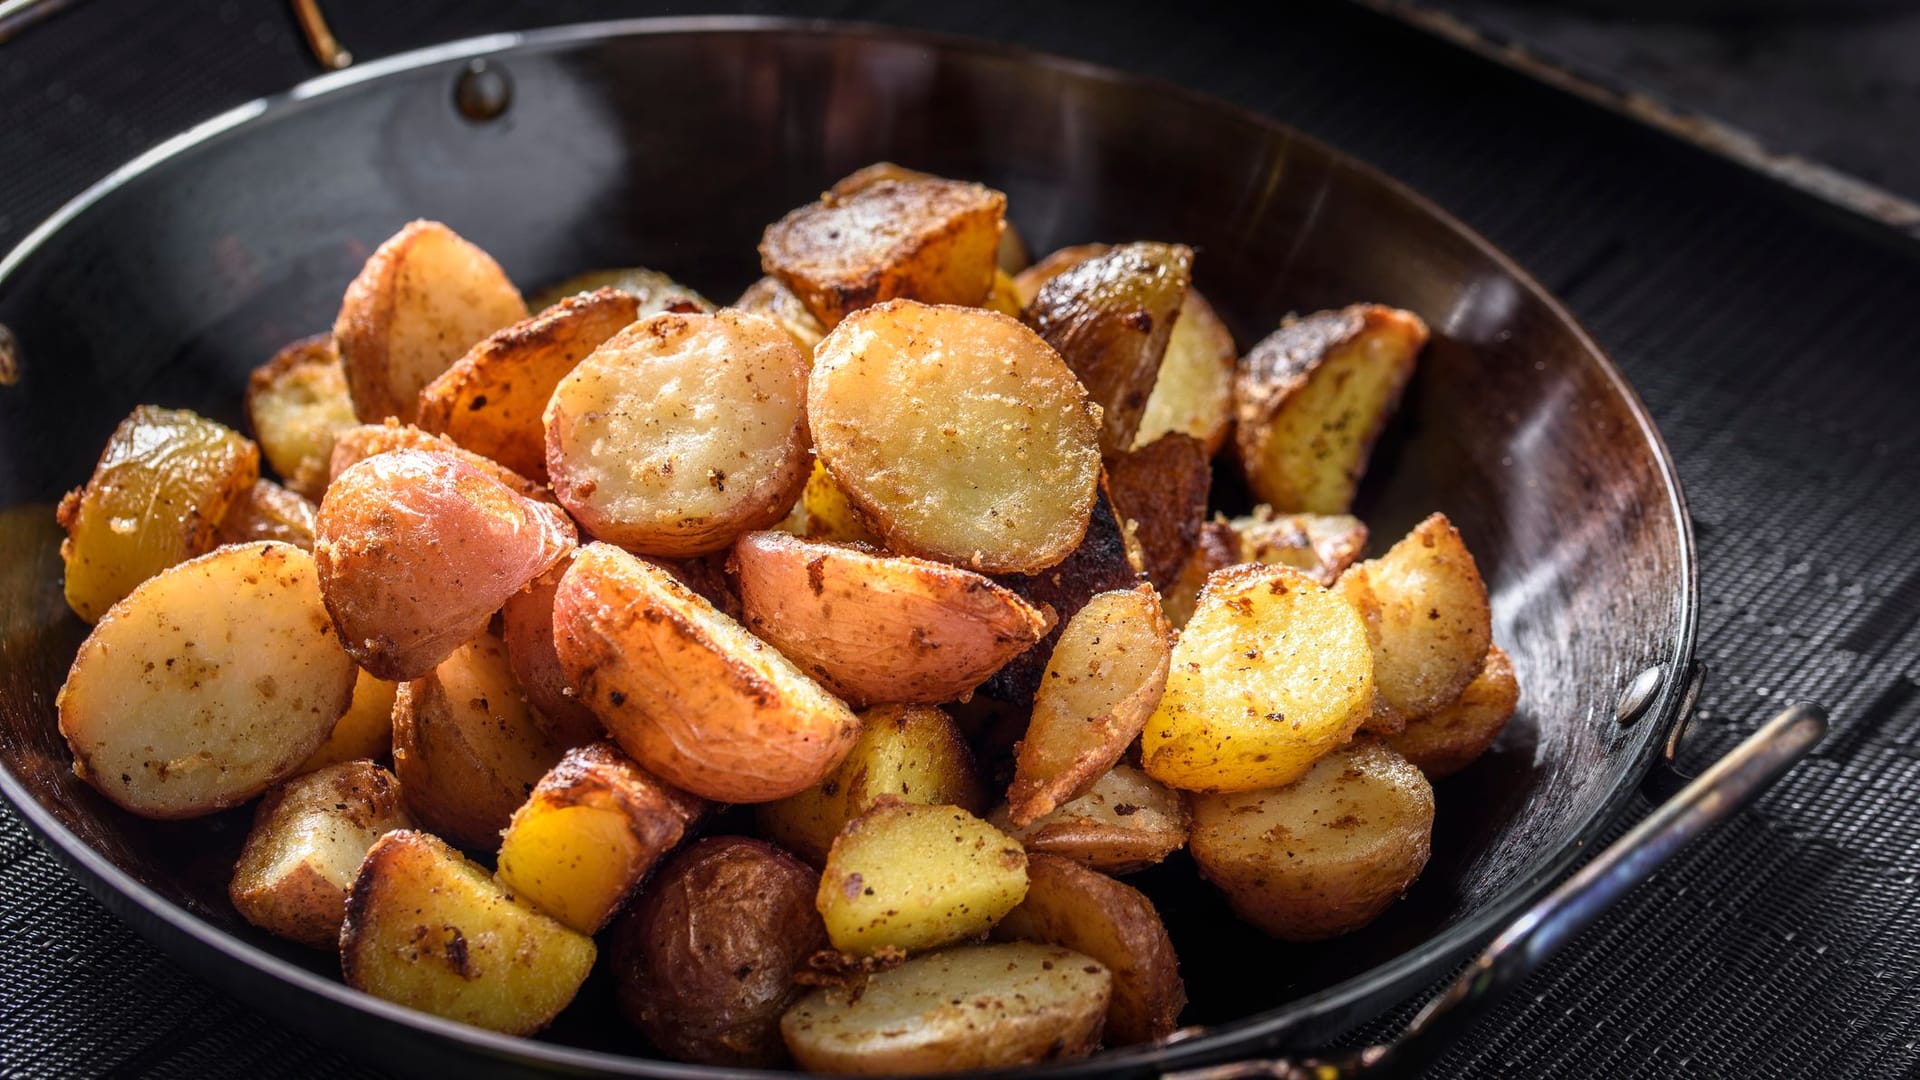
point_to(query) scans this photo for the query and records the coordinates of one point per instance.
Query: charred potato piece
(1193, 394)
(1092, 914)
(1216, 547)
(1272, 672)
(492, 399)
(309, 836)
(1026, 1004)
(1324, 855)
(1311, 398)
(706, 960)
(935, 241)
(913, 876)
(427, 929)
(681, 432)
(1160, 491)
(1444, 742)
(1127, 821)
(365, 731)
(875, 628)
(594, 826)
(1321, 546)
(423, 299)
(695, 698)
(268, 512)
(297, 403)
(163, 484)
(1110, 317)
(1011, 257)
(1428, 620)
(526, 624)
(774, 300)
(654, 291)
(206, 684)
(358, 443)
(987, 458)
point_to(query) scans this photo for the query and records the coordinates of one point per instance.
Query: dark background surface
(1771, 335)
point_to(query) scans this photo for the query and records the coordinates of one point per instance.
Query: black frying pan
(670, 144)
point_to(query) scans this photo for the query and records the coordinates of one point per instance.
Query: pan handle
(1726, 787)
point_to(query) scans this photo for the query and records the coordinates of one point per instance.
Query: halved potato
(1011, 257)
(914, 876)
(1160, 491)
(423, 299)
(297, 403)
(695, 698)
(309, 836)
(526, 624)
(268, 512)
(1022, 1004)
(1311, 398)
(164, 482)
(365, 731)
(593, 828)
(829, 513)
(959, 434)
(1193, 394)
(1272, 672)
(206, 684)
(1127, 821)
(771, 298)
(1102, 682)
(416, 552)
(492, 399)
(681, 432)
(429, 930)
(654, 291)
(1444, 742)
(1428, 620)
(1320, 545)
(875, 628)
(1324, 855)
(1216, 547)
(357, 444)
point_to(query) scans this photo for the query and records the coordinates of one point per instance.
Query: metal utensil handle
(1714, 796)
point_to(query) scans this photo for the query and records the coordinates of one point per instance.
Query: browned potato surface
(1127, 821)
(365, 731)
(1216, 547)
(911, 876)
(423, 299)
(309, 836)
(297, 403)
(959, 434)
(1428, 620)
(1320, 545)
(1011, 257)
(357, 444)
(1193, 394)
(268, 512)
(706, 959)
(1027, 282)
(1444, 742)
(526, 625)
(769, 297)
(654, 291)
(1160, 491)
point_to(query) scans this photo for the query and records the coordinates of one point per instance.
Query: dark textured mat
(1774, 340)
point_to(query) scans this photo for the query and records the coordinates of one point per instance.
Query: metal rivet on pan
(483, 91)
(9, 357)
(1639, 695)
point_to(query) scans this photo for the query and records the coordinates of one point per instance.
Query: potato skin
(705, 962)
(1444, 742)
(362, 441)
(1160, 491)
(309, 835)
(297, 402)
(1126, 821)
(526, 625)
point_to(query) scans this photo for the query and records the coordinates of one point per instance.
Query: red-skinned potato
(526, 623)
(362, 441)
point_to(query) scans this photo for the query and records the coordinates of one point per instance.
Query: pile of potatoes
(826, 658)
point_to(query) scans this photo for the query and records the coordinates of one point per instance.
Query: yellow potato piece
(917, 877)
(297, 403)
(1193, 394)
(365, 731)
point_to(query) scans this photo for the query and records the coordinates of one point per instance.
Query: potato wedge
(1076, 908)
(986, 458)
(1216, 547)
(268, 512)
(1160, 491)
(164, 482)
(875, 628)
(1110, 317)
(466, 747)
(771, 298)
(1027, 282)
(1011, 257)
(358, 443)
(1324, 855)
(654, 291)
(1321, 546)
(1026, 1003)
(1127, 821)
(492, 399)
(695, 698)
(1428, 620)
(829, 512)
(1104, 679)
(526, 625)
(1444, 742)
(1310, 399)
(681, 432)
(594, 827)
(911, 752)
(416, 552)
(423, 299)
(309, 836)
(1193, 394)
(1272, 672)
(429, 930)
(913, 876)
(364, 732)
(706, 960)
(935, 241)
(207, 684)
(297, 403)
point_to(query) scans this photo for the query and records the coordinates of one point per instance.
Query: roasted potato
(157, 497)
(912, 876)
(364, 732)
(774, 300)
(1193, 394)
(297, 403)
(268, 512)
(308, 838)
(491, 400)
(360, 442)
(1216, 547)
(1324, 855)
(1103, 680)
(1311, 398)
(1110, 317)
(911, 752)
(429, 930)
(1272, 672)
(1003, 296)
(935, 241)
(875, 628)
(466, 746)
(1444, 742)
(987, 458)
(1127, 821)
(1011, 257)
(1092, 914)
(423, 299)
(706, 960)
(695, 698)
(1025, 1003)
(1320, 545)
(416, 552)
(681, 432)
(1027, 281)
(1160, 491)
(828, 513)
(526, 625)
(654, 291)
(209, 682)
(1427, 618)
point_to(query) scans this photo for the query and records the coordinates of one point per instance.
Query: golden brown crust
(1444, 742)
(307, 901)
(1160, 491)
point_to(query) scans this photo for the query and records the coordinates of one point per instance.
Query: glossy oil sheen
(671, 145)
